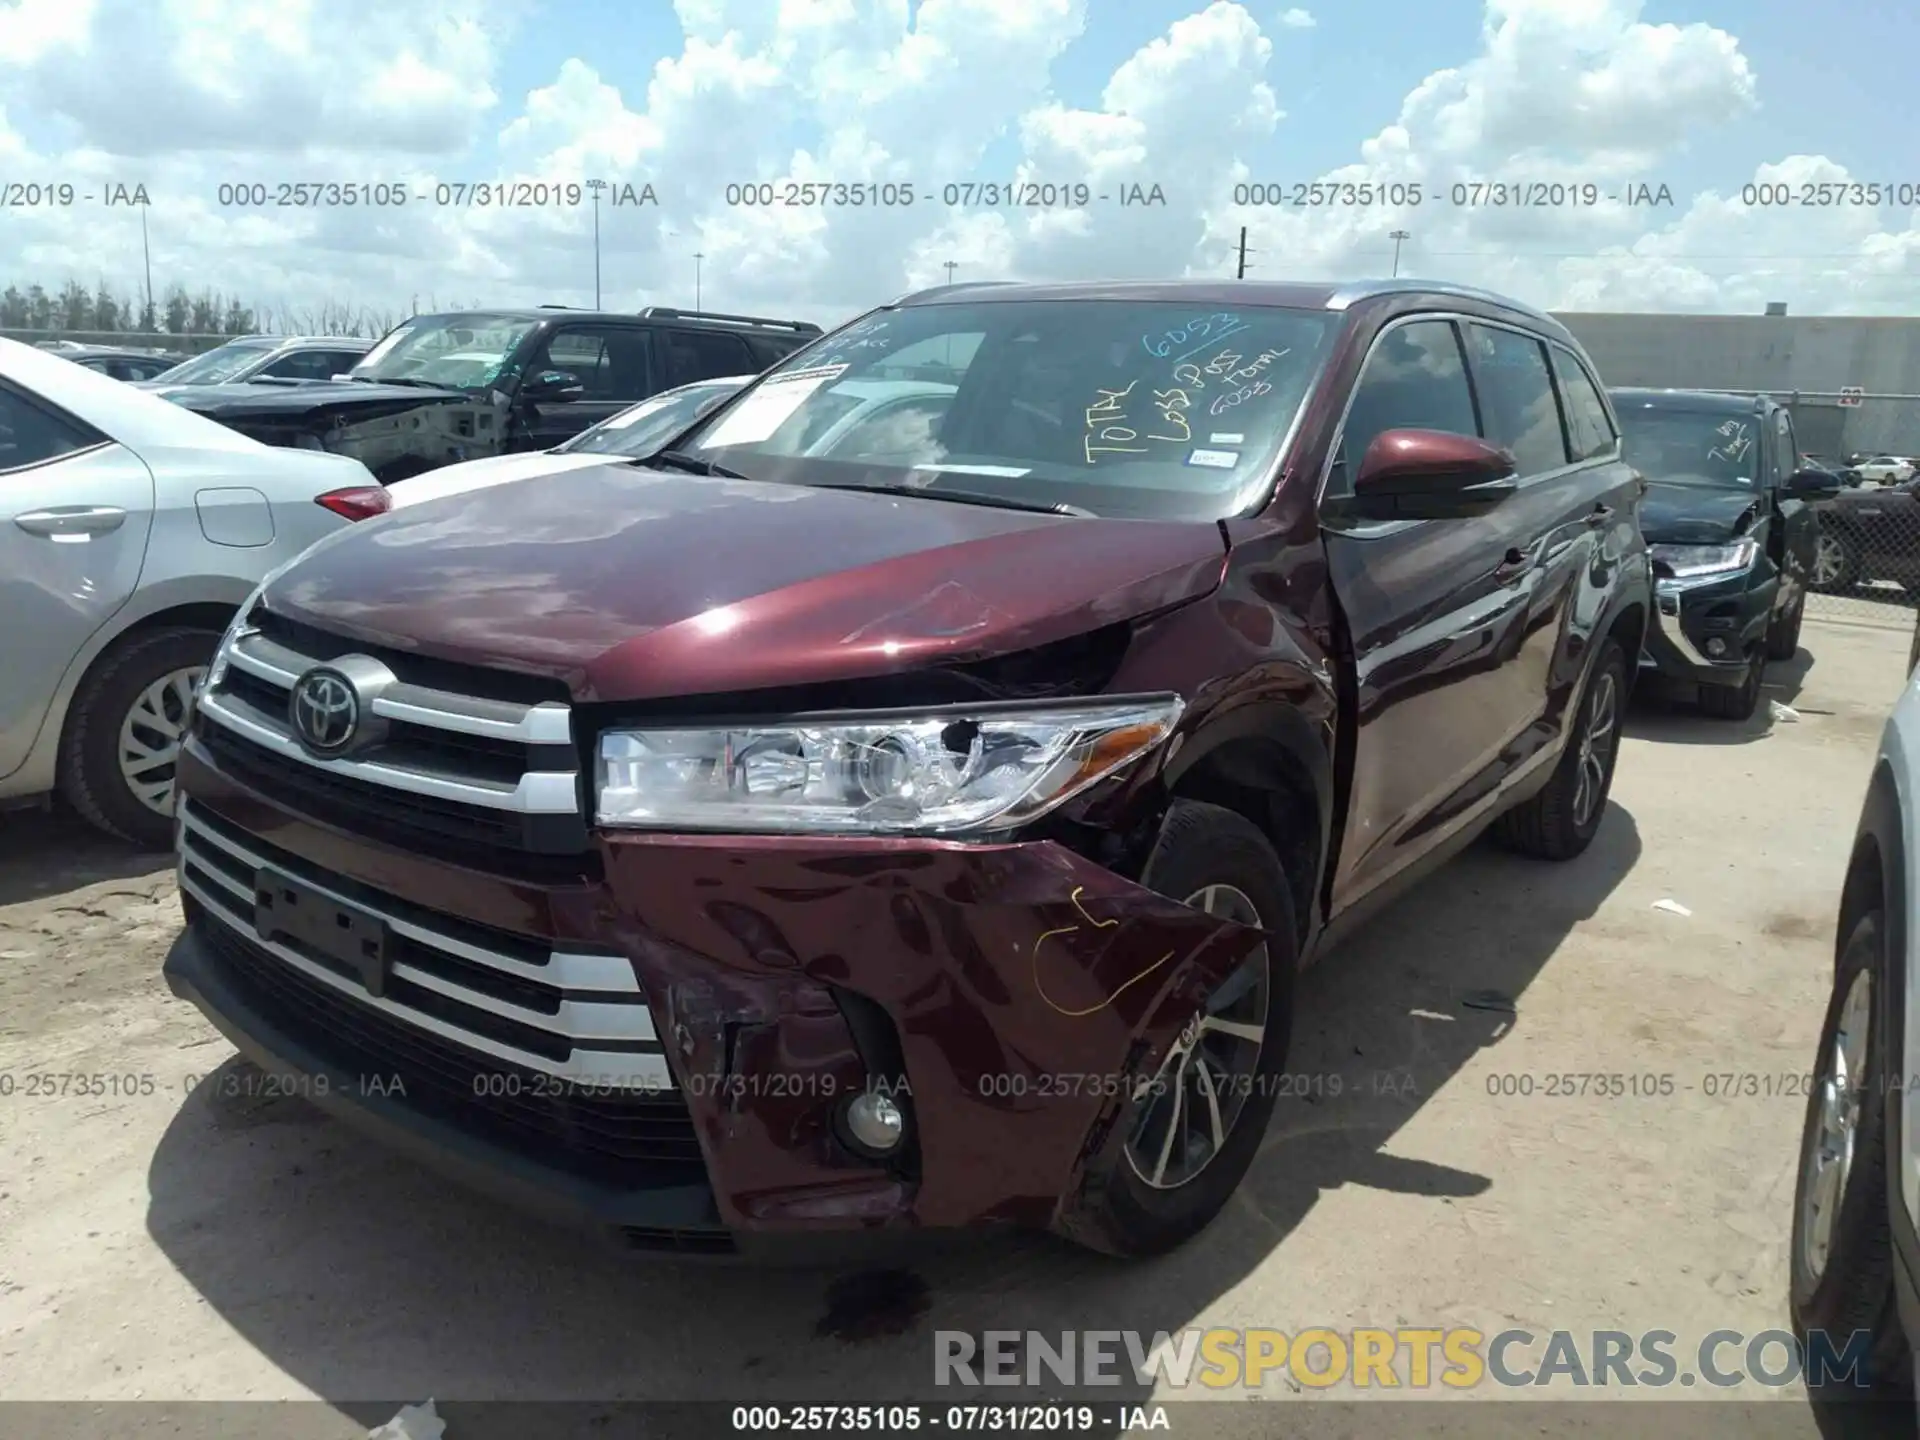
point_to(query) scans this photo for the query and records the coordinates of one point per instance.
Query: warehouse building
(1852, 382)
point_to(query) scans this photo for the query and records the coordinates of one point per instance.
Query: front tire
(1840, 1265)
(123, 735)
(1190, 1135)
(1560, 821)
(1783, 637)
(1737, 702)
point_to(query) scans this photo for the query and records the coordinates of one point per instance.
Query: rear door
(706, 355)
(615, 368)
(1438, 614)
(75, 513)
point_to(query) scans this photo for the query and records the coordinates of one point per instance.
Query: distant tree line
(99, 311)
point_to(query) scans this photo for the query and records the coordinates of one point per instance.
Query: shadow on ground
(1669, 715)
(370, 1281)
(45, 853)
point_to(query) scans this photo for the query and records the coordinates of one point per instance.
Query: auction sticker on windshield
(767, 408)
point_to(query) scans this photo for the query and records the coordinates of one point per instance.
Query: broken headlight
(911, 774)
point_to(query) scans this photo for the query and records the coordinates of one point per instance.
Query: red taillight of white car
(357, 502)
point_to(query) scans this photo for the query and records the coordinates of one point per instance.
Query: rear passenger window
(1589, 432)
(30, 435)
(1414, 380)
(1516, 397)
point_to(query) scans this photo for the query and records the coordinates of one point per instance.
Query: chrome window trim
(1375, 529)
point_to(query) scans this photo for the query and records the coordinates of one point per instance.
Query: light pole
(698, 256)
(1397, 236)
(951, 266)
(596, 186)
(147, 256)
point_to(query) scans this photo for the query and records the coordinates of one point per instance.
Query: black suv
(1732, 531)
(438, 389)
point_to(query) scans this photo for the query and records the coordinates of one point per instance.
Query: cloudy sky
(1725, 103)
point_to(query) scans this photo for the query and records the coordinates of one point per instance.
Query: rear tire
(118, 733)
(1560, 821)
(1840, 1262)
(1122, 1212)
(1737, 702)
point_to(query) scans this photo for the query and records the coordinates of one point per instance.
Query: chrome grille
(575, 1015)
(464, 776)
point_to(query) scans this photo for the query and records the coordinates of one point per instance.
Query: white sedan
(130, 531)
(1884, 470)
(638, 430)
(866, 408)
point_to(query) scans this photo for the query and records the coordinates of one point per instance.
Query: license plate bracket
(289, 909)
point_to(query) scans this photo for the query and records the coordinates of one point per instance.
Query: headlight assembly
(1694, 562)
(910, 774)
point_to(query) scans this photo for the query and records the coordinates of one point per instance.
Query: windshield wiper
(971, 497)
(410, 383)
(692, 464)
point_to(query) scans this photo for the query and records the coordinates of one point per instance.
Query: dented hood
(628, 583)
(1696, 514)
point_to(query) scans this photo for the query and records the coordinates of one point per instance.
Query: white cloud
(183, 95)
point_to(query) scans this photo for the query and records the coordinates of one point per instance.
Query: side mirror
(553, 385)
(1430, 475)
(1814, 484)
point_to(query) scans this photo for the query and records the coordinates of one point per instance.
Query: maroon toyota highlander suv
(907, 802)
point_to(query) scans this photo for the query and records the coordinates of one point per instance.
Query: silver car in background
(288, 359)
(130, 531)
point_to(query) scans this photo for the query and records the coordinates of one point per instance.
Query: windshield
(465, 352)
(642, 429)
(220, 364)
(1691, 447)
(1139, 409)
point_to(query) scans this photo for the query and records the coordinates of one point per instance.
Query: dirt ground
(164, 1245)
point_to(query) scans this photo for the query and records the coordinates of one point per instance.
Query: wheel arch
(206, 602)
(1270, 763)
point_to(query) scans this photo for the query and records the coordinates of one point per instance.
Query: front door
(1457, 626)
(75, 511)
(614, 368)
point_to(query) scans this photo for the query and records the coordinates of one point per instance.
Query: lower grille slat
(644, 1138)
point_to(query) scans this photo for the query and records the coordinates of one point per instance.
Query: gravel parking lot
(161, 1245)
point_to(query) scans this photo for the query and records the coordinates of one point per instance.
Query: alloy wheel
(1208, 1075)
(1826, 1163)
(1596, 748)
(1828, 560)
(150, 735)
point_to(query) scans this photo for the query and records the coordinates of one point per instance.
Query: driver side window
(1415, 379)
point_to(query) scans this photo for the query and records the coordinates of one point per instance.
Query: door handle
(65, 520)
(1598, 516)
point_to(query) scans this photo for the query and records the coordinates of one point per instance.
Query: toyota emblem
(325, 711)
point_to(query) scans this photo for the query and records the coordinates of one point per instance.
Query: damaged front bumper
(1704, 630)
(1006, 997)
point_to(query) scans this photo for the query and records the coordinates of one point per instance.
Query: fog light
(875, 1122)
(1716, 647)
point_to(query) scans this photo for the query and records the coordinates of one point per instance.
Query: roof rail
(959, 287)
(1403, 285)
(662, 312)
